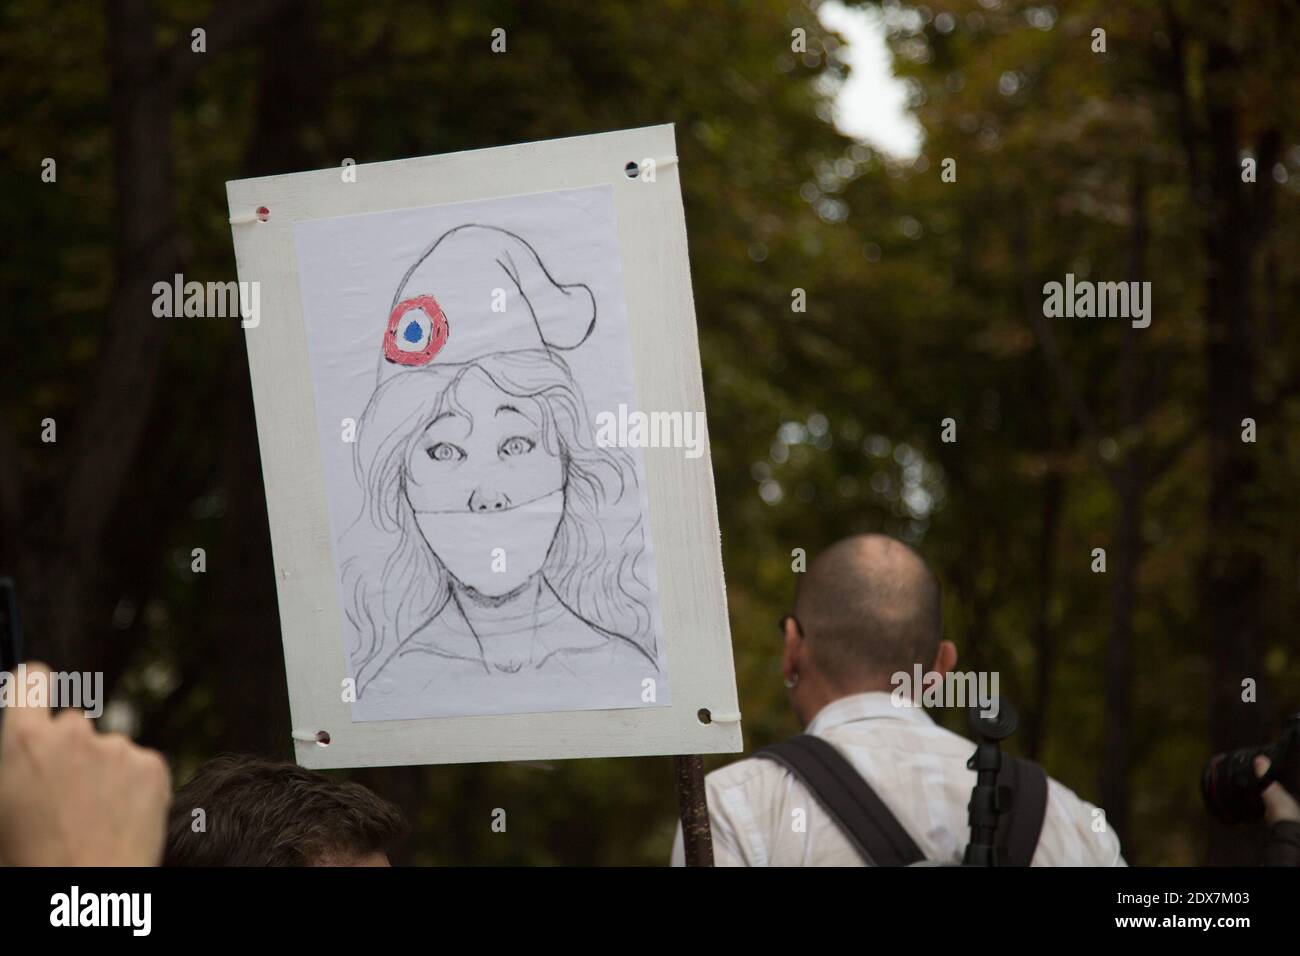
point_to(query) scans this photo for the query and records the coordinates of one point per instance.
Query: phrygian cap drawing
(443, 310)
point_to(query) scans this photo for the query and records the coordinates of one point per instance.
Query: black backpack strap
(1018, 831)
(862, 816)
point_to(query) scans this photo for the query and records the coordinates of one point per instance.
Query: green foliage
(921, 301)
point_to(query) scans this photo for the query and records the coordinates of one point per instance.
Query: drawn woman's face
(487, 494)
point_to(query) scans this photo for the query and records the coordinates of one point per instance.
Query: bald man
(866, 610)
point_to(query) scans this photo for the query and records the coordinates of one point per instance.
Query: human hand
(1279, 804)
(72, 797)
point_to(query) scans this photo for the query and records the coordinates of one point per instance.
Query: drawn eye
(518, 445)
(445, 451)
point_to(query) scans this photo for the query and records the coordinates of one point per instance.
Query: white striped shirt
(917, 768)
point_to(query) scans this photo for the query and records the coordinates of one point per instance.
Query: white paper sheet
(492, 558)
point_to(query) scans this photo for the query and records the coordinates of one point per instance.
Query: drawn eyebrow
(447, 414)
(511, 408)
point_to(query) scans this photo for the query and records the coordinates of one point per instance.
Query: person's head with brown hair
(259, 812)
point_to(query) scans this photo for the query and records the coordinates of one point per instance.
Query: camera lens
(1230, 788)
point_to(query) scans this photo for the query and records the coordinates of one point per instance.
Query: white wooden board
(678, 491)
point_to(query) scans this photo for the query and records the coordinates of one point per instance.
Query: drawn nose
(485, 500)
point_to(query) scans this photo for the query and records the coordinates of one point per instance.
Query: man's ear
(793, 648)
(945, 658)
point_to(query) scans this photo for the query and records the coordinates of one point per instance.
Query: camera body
(11, 647)
(1229, 786)
(11, 650)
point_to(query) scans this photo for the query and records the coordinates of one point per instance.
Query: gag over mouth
(499, 511)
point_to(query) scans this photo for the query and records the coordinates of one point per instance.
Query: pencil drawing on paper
(500, 560)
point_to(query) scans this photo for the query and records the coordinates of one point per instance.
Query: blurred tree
(924, 303)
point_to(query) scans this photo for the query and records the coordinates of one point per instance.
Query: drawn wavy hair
(394, 585)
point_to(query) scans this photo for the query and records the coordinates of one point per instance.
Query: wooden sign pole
(697, 839)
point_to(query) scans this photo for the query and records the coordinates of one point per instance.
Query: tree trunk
(1232, 572)
(63, 576)
(291, 98)
(1129, 482)
(1044, 643)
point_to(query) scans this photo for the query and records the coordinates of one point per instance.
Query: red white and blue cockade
(417, 329)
